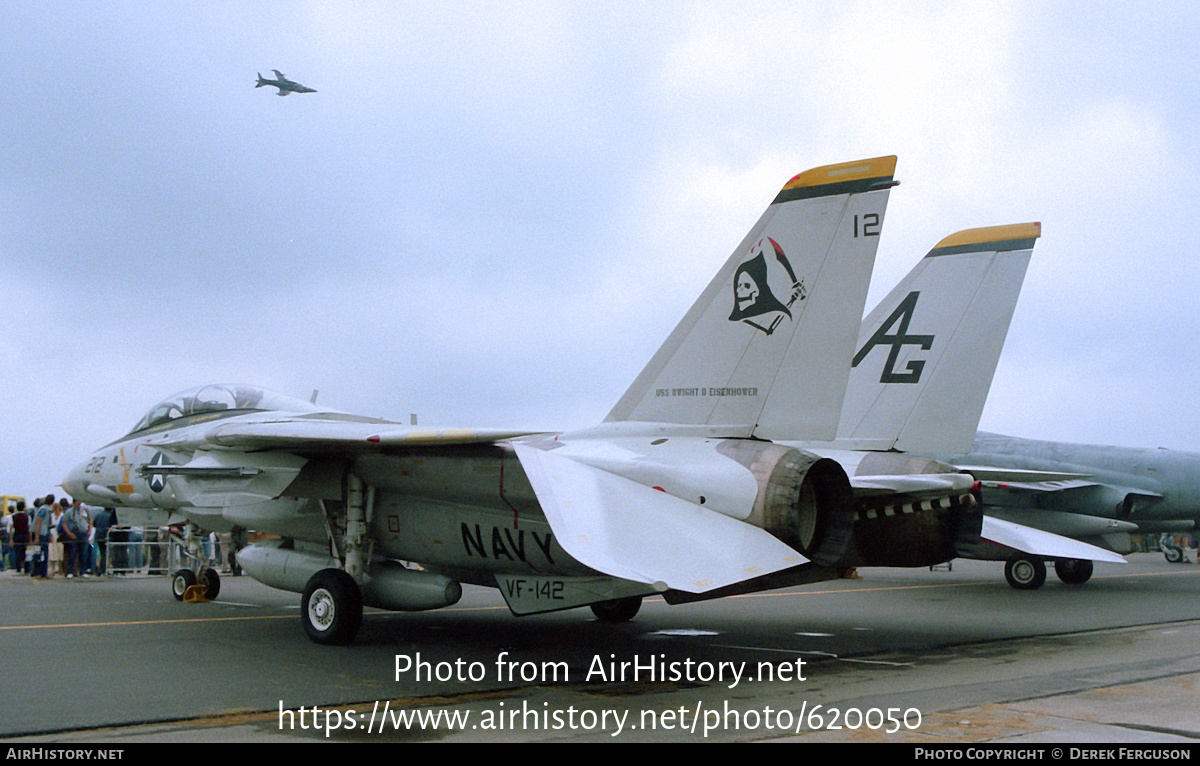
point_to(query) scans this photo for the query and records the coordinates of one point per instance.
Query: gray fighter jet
(1095, 493)
(285, 85)
(682, 491)
(690, 488)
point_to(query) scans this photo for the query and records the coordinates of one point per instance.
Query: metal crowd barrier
(138, 551)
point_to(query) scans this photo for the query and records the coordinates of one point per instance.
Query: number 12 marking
(869, 226)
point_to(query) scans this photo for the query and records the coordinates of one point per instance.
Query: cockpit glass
(220, 398)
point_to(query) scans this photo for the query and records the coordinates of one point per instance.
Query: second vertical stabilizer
(927, 353)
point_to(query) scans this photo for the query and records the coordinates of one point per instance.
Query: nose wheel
(181, 581)
(204, 586)
(199, 584)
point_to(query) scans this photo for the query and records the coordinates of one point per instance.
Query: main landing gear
(617, 610)
(331, 608)
(1029, 572)
(1073, 571)
(1025, 572)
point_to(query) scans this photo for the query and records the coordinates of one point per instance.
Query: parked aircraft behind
(680, 491)
(1090, 492)
(285, 85)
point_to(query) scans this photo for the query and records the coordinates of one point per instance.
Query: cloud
(495, 213)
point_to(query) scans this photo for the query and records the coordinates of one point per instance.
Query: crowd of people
(57, 538)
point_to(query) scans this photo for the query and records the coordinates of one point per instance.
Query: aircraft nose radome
(73, 483)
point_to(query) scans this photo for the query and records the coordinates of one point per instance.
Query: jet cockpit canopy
(219, 398)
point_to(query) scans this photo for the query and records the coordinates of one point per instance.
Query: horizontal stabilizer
(628, 530)
(1077, 525)
(914, 485)
(1039, 543)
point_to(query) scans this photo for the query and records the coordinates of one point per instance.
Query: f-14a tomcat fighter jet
(285, 85)
(686, 489)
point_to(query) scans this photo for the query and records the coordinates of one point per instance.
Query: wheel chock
(195, 594)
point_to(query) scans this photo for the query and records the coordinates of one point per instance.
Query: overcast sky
(493, 213)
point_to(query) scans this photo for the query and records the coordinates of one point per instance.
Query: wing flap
(627, 530)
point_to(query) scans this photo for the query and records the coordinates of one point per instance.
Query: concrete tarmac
(899, 656)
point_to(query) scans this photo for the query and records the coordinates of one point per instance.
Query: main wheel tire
(181, 581)
(617, 610)
(1172, 554)
(1073, 571)
(212, 584)
(1025, 573)
(331, 609)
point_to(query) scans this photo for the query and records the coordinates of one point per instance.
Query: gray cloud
(494, 214)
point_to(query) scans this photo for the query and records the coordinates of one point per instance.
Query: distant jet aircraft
(685, 490)
(1090, 492)
(285, 85)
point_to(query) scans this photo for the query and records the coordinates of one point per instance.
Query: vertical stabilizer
(766, 348)
(927, 353)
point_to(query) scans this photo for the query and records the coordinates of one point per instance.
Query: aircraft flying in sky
(285, 85)
(696, 485)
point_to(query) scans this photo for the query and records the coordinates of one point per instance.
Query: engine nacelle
(803, 500)
(386, 586)
(917, 533)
